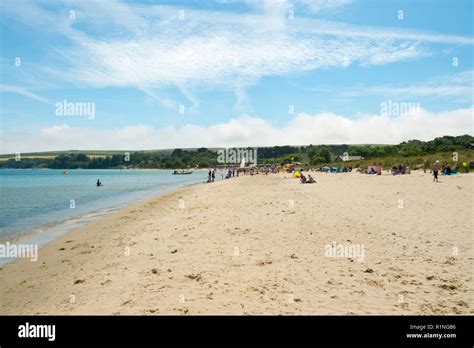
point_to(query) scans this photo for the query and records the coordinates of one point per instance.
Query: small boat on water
(182, 172)
(65, 172)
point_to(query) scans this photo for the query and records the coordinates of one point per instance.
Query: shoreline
(250, 245)
(49, 232)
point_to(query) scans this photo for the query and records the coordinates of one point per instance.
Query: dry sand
(256, 245)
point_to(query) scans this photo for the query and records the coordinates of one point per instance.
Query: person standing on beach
(466, 166)
(213, 175)
(435, 171)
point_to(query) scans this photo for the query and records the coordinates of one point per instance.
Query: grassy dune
(415, 162)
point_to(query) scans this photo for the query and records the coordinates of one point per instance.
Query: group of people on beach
(211, 175)
(309, 180)
(373, 169)
(401, 169)
(333, 169)
(445, 170)
(231, 172)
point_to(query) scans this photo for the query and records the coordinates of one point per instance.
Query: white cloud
(219, 59)
(24, 92)
(148, 46)
(325, 128)
(322, 5)
(164, 102)
(113, 43)
(457, 86)
(341, 30)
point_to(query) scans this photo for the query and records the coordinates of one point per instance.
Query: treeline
(278, 155)
(320, 154)
(179, 158)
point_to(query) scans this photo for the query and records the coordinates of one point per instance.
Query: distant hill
(416, 151)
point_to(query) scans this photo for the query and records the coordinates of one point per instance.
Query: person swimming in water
(98, 183)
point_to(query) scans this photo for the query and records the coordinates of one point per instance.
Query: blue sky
(233, 73)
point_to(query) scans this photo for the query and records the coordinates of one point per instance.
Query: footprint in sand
(373, 282)
(197, 277)
(450, 261)
(448, 287)
(152, 311)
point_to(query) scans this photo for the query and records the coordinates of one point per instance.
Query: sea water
(41, 204)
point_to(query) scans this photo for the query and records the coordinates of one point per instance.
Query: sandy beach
(259, 245)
